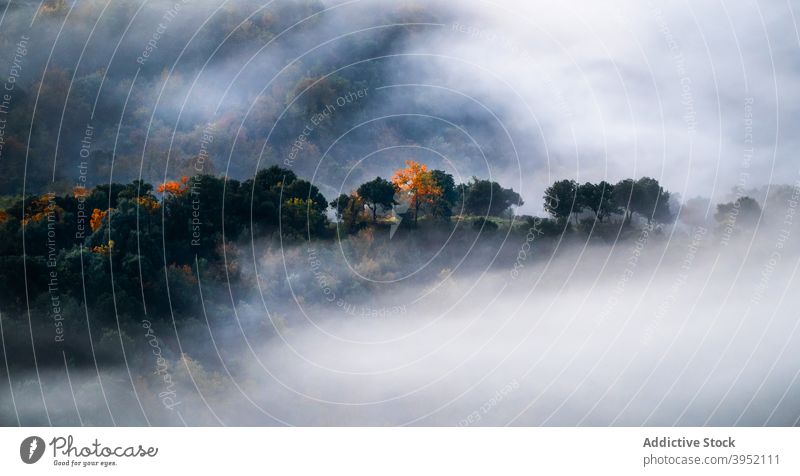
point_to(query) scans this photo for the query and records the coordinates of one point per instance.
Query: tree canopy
(484, 197)
(645, 197)
(377, 193)
(417, 185)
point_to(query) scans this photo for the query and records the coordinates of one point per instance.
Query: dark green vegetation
(107, 257)
(134, 231)
(125, 243)
(135, 239)
(645, 196)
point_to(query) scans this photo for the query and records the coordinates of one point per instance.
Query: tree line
(645, 197)
(137, 229)
(152, 238)
(416, 191)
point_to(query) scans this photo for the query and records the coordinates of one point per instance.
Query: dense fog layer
(690, 321)
(657, 330)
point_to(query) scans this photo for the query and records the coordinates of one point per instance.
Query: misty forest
(396, 213)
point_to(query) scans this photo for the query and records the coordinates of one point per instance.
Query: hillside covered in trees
(137, 247)
(382, 212)
(99, 263)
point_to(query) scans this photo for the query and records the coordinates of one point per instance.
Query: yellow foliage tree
(104, 249)
(148, 203)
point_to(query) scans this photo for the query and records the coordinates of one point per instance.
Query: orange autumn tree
(96, 221)
(174, 187)
(40, 208)
(80, 191)
(418, 185)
